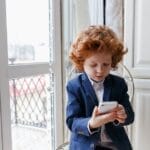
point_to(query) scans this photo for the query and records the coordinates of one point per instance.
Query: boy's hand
(99, 119)
(121, 114)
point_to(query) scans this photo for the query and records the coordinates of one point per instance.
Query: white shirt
(99, 89)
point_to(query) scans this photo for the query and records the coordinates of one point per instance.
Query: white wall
(137, 36)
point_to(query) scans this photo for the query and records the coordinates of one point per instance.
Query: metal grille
(28, 100)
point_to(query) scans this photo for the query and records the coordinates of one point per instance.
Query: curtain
(115, 16)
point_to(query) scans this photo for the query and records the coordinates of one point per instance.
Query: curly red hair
(95, 39)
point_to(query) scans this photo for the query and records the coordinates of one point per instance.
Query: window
(31, 75)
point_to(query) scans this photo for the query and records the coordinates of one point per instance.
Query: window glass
(30, 40)
(28, 31)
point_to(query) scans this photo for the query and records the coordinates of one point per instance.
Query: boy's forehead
(100, 57)
(100, 53)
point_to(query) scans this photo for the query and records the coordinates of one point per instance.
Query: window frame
(5, 136)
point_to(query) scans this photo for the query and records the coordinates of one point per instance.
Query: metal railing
(28, 101)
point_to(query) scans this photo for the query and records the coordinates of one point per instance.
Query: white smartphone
(107, 106)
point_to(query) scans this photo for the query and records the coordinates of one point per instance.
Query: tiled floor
(25, 138)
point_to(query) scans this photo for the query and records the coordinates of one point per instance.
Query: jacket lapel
(107, 88)
(89, 91)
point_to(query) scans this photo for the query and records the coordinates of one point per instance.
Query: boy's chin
(97, 80)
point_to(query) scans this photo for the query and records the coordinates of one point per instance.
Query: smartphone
(107, 106)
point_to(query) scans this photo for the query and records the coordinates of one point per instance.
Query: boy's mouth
(99, 77)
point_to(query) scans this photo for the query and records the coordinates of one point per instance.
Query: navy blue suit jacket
(81, 102)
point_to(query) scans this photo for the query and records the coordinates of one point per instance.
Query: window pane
(28, 31)
(31, 102)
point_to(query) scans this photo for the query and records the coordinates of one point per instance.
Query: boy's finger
(94, 112)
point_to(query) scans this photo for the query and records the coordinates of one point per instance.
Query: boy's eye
(93, 65)
(104, 65)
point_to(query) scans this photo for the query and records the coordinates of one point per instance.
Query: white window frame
(23, 70)
(5, 137)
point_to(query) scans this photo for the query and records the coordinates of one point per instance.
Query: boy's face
(98, 66)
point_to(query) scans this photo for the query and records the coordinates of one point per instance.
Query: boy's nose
(100, 69)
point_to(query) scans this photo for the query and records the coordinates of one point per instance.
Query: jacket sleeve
(126, 103)
(75, 117)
